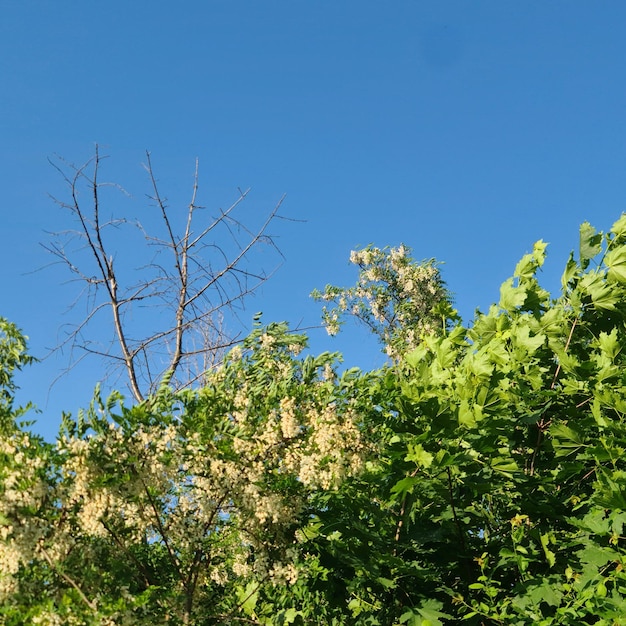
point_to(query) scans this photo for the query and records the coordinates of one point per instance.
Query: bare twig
(197, 276)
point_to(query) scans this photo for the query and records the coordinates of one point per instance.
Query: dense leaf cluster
(480, 479)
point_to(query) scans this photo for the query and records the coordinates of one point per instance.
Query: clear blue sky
(466, 130)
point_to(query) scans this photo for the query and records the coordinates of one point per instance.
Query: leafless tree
(170, 314)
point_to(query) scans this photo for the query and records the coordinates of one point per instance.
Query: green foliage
(499, 492)
(13, 357)
(185, 507)
(479, 480)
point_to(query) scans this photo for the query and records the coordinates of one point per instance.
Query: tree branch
(206, 273)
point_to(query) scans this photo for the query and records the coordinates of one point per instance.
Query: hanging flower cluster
(214, 483)
(399, 299)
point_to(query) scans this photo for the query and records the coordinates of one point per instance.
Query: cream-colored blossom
(295, 348)
(282, 573)
(47, 618)
(267, 341)
(289, 423)
(236, 353)
(329, 373)
(158, 482)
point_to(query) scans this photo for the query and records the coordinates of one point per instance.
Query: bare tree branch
(171, 313)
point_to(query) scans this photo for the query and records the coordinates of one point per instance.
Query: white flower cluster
(229, 478)
(394, 296)
(22, 490)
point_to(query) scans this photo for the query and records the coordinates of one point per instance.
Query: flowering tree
(399, 300)
(180, 508)
(479, 479)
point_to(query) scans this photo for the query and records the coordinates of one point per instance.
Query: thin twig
(199, 281)
(67, 579)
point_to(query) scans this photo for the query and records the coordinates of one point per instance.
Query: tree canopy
(477, 478)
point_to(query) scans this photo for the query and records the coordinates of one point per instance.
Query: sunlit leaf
(590, 243)
(615, 260)
(511, 296)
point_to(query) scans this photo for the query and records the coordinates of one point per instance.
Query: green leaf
(480, 364)
(419, 456)
(529, 263)
(511, 297)
(310, 531)
(405, 485)
(566, 440)
(571, 269)
(504, 465)
(616, 262)
(290, 615)
(430, 610)
(445, 353)
(526, 267)
(410, 619)
(590, 243)
(602, 294)
(546, 539)
(595, 521)
(544, 592)
(609, 343)
(619, 228)
(387, 583)
(522, 337)
(596, 556)
(415, 357)
(248, 597)
(539, 252)
(356, 606)
(467, 417)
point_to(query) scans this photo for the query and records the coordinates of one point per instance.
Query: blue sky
(467, 130)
